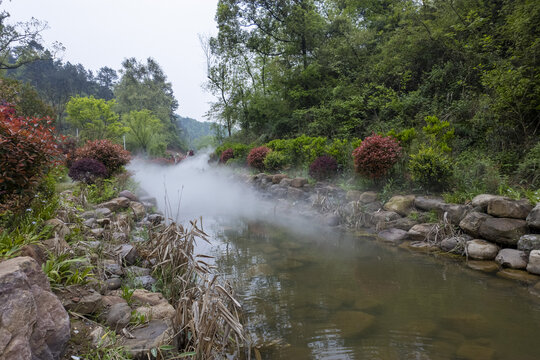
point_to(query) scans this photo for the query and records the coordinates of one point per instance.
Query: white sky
(99, 33)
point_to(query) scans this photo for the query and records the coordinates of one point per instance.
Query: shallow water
(329, 295)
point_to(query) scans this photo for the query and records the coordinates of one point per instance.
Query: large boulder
(368, 197)
(534, 262)
(404, 223)
(147, 337)
(533, 219)
(482, 250)
(421, 232)
(298, 182)
(128, 194)
(276, 179)
(482, 200)
(139, 210)
(400, 204)
(428, 203)
(58, 227)
(383, 216)
(454, 213)
(393, 236)
(512, 258)
(529, 242)
(472, 221)
(504, 231)
(34, 324)
(116, 204)
(508, 208)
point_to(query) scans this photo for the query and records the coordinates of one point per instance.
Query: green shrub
(529, 169)
(475, 173)
(341, 151)
(275, 161)
(432, 169)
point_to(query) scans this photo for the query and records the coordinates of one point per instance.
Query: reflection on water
(334, 296)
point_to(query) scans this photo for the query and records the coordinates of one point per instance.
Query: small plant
(226, 155)
(376, 156)
(324, 167)
(87, 170)
(102, 190)
(61, 270)
(137, 318)
(109, 154)
(529, 169)
(275, 161)
(127, 293)
(256, 157)
(430, 168)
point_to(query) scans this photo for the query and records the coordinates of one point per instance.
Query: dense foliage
(256, 157)
(324, 167)
(113, 156)
(376, 156)
(348, 68)
(87, 170)
(28, 150)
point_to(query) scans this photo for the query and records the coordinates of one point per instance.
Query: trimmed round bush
(112, 155)
(87, 170)
(430, 168)
(274, 161)
(256, 157)
(324, 167)
(226, 155)
(376, 156)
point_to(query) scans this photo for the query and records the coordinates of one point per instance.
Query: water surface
(329, 295)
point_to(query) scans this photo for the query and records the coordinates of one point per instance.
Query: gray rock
(514, 259)
(128, 194)
(428, 203)
(127, 253)
(34, 324)
(146, 281)
(529, 242)
(58, 227)
(421, 232)
(384, 216)
(113, 283)
(298, 182)
(150, 200)
(150, 336)
(332, 220)
(277, 178)
(482, 200)
(353, 195)
(156, 219)
(111, 267)
(534, 262)
(504, 231)
(373, 206)
(482, 250)
(455, 213)
(507, 208)
(368, 197)
(405, 223)
(97, 232)
(400, 204)
(85, 305)
(295, 193)
(116, 204)
(89, 222)
(138, 209)
(454, 244)
(119, 236)
(118, 316)
(533, 219)
(102, 212)
(393, 236)
(88, 214)
(137, 271)
(472, 221)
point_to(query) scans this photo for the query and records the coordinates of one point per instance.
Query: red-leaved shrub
(109, 154)
(323, 167)
(28, 149)
(87, 170)
(256, 157)
(226, 155)
(376, 156)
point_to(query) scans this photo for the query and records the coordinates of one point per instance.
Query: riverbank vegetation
(454, 82)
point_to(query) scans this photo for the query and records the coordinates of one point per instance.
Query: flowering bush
(87, 170)
(256, 157)
(376, 156)
(323, 167)
(28, 149)
(226, 155)
(109, 154)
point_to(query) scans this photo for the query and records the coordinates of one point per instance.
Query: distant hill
(194, 130)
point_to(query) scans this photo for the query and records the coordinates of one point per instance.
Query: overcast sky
(99, 33)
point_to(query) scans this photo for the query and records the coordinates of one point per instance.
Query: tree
(144, 128)
(95, 118)
(20, 43)
(145, 86)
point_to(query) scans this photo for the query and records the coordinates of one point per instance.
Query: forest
(345, 69)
